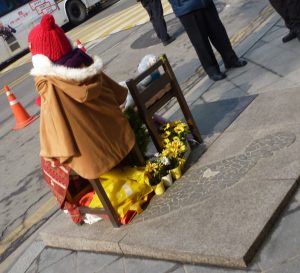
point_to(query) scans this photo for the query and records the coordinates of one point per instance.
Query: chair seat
(158, 95)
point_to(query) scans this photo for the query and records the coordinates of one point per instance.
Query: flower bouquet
(154, 171)
(174, 152)
(176, 131)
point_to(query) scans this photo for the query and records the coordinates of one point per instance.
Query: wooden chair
(99, 190)
(156, 94)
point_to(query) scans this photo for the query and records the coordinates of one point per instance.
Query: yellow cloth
(126, 188)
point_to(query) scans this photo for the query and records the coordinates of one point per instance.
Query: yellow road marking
(33, 219)
(16, 82)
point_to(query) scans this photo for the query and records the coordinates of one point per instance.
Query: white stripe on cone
(13, 102)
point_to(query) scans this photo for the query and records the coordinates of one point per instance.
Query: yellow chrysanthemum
(166, 134)
(176, 138)
(166, 126)
(179, 129)
(166, 141)
(175, 148)
(151, 167)
(176, 122)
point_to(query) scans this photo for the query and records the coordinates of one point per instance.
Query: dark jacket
(182, 7)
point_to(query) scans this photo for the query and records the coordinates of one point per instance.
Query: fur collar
(42, 66)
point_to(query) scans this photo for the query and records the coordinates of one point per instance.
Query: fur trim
(42, 66)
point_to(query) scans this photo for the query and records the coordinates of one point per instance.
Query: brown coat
(81, 123)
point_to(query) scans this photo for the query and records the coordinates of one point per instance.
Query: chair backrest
(158, 92)
(152, 97)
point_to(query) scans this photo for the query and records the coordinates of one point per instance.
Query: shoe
(169, 40)
(290, 36)
(237, 63)
(217, 76)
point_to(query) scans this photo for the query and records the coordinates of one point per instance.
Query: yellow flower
(176, 138)
(179, 129)
(151, 167)
(176, 122)
(166, 134)
(175, 148)
(165, 127)
(166, 141)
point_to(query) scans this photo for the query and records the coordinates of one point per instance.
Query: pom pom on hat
(48, 39)
(48, 22)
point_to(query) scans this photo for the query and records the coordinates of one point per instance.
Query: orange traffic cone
(22, 117)
(80, 45)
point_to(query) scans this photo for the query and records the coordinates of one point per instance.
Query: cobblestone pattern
(201, 182)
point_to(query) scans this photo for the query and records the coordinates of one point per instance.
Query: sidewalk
(224, 208)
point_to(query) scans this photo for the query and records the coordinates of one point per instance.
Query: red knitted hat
(48, 39)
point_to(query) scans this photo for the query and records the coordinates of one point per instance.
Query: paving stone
(89, 262)
(269, 111)
(221, 114)
(223, 91)
(207, 269)
(179, 269)
(289, 266)
(54, 260)
(114, 267)
(270, 61)
(283, 243)
(137, 265)
(280, 85)
(26, 259)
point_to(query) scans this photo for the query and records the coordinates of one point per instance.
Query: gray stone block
(208, 233)
(63, 233)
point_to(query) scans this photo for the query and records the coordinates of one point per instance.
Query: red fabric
(86, 199)
(49, 39)
(128, 217)
(57, 177)
(38, 101)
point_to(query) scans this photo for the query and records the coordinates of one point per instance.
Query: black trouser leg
(156, 14)
(281, 8)
(218, 35)
(195, 27)
(293, 11)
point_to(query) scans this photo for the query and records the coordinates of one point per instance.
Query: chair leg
(138, 154)
(153, 133)
(96, 183)
(190, 120)
(181, 100)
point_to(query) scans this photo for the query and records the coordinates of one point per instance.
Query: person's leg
(293, 13)
(195, 27)
(281, 8)
(156, 14)
(218, 35)
(219, 38)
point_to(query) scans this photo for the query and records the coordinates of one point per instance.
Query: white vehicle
(21, 15)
